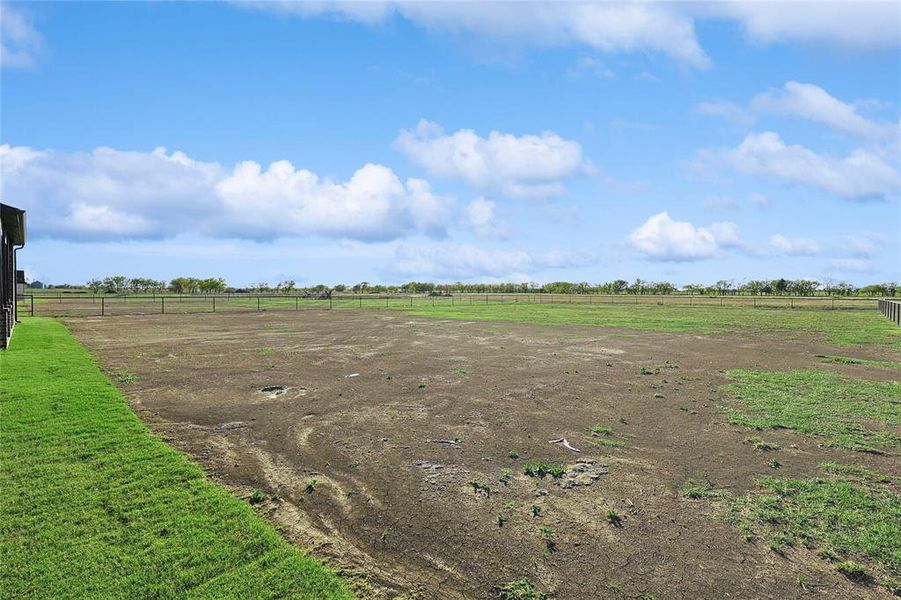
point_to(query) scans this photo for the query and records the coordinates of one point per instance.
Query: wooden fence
(891, 309)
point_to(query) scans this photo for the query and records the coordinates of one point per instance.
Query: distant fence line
(891, 309)
(111, 305)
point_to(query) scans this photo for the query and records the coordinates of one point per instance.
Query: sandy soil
(394, 418)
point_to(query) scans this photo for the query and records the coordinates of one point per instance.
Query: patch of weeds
(353, 464)
(697, 491)
(598, 430)
(614, 518)
(846, 412)
(311, 486)
(514, 453)
(124, 376)
(773, 463)
(688, 410)
(856, 524)
(266, 351)
(423, 384)
(459, 371)
(386, 531)
(257, 497)
(847, 360)
(500, 518)
(537, 468)
(506, 476)
(548, 535)
(647, 371)
(480, 487)
(609, 443)
(535, 510)
(519, 589)
(857, 472)
(761, 444)
(854, 571)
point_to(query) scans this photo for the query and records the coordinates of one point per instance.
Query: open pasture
(588, 452)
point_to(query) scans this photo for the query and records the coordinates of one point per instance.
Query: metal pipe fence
(891, 309)
(103, 305)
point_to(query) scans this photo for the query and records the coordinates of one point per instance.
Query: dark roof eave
(13, 223)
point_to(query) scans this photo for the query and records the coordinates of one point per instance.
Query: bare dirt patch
(395, 447)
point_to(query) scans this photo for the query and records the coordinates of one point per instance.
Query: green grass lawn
(838, 326)
(846, 412)
(851, 517)
(93, 505)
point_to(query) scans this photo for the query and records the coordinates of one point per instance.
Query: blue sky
(387, 142)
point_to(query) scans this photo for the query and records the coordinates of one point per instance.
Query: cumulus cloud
(603, 27)
(20, 42)
(479, 215)
(528, 166)
(662, 238)
(809, 101)
(469, 262)
(794, 246)
(864, 244)
(861, 175)
(113, 194)
(855, 25)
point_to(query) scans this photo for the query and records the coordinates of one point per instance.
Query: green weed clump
(520, 589)
(537, 468)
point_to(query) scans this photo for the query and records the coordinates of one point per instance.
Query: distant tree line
(120, 284)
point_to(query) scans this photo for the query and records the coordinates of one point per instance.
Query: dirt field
(396, 418)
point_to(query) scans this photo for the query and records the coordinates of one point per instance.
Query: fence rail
(891, 309)
(115, 305)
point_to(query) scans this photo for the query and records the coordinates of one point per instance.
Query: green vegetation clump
(537, 468)
(847, 360)
(761, 444)
(520, 589)
(93, 505)
(847, 412)
(598, 430)
(698, 491)
(848, 521)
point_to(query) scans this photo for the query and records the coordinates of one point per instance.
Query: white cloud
(724, 109)
(528, 166)
(850, 265)
(114, 194)
(20, 42)
(855, 25)
(812, 102)
(469, 262)
(662, 238)
(864, 244)
(604, 27)
(794, 246)
(758, 200)
(592, 66)
(479, 215)
(859, 176)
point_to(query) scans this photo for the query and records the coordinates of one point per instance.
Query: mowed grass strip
(93, 505)
(846, 412)
(843, 327)
(845, 518)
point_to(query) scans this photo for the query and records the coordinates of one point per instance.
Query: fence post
(32, 305)
(258, 304)
(330, 302)
(296, 301)
(386, 300)
(214, 303)
(411, 301)
(163, 305)
(361, 301)
(102, 306)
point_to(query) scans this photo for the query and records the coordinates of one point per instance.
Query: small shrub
(514, 453)
(598, 430)
(311, 486)
(697, 491)
(535, 510)
(506, 476)
(480, 487)
(257, 497)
